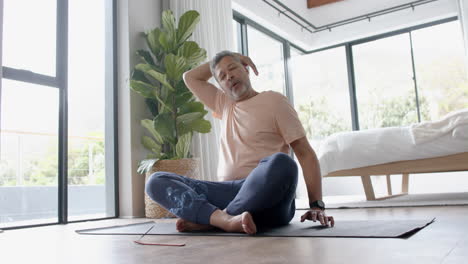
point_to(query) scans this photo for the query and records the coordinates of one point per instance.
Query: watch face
(318, 203)
(321, 203)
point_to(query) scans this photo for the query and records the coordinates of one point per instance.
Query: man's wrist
(317, 204)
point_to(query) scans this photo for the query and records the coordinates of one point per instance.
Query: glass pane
(440, 70)
(29, 35)
(321, 94)
(321, 97)
(384, 83)
(236, 32)
(29, 154)
(86, 111)
(267, 54)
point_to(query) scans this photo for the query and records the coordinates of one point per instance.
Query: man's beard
(237, 94)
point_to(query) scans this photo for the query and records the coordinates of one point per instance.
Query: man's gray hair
(219, 56)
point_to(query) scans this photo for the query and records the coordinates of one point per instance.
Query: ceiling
(338, 11)
(292, 19)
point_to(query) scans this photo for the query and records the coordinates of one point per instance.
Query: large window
(267, 54)
(57, 111)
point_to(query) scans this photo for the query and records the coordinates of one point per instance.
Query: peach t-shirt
(253, 129)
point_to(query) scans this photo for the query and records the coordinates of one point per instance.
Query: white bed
(348, 150)
(394, 150)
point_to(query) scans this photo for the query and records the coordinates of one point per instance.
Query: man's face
(233, 78)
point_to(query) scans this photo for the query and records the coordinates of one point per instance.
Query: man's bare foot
(242, 223)
(186, 226)
(248, 224)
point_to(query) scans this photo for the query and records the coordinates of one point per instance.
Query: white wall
(134, 17)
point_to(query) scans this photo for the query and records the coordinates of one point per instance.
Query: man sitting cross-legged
(260, 179)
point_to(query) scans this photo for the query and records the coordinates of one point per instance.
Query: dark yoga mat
(365, 228)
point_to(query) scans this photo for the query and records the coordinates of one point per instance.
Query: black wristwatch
(319, 203)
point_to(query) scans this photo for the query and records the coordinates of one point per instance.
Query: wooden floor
(444, 241)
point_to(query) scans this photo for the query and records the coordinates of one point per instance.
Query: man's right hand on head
(246, 61)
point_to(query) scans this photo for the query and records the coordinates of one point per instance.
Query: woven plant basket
(185, 167)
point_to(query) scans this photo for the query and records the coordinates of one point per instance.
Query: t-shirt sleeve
(218, 106)
(287, 121)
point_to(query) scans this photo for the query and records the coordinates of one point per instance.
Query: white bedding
(348, 150)
(427, 131)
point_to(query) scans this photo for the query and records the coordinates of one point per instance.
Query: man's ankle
(220, 219)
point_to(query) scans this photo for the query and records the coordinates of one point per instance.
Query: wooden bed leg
(389, 185)
(405, 183)
(368, 189)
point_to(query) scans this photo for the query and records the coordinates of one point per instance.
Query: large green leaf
(165, 93)
(198, 125)
(192, 107)
(152, 39)
(168, 38)
(175, 66)
(166, 42)
(187, 23)
(201, 126)
(168, 21)
(145, 56)
(164, 125)
(144, 89)
(192, 53)
(151, 145)
(183, 145)
(182, 128)
(146, 165)
(149, 91)
(146, 68)
(189, 118)
(149, 125)
(182, 99)
(166, 106)
(138, 75)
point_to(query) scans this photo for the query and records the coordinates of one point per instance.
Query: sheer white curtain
(463, 18)
(214, 33)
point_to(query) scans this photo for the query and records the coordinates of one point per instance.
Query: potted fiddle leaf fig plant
(176, 115)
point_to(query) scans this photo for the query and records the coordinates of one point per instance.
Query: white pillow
(460, 132)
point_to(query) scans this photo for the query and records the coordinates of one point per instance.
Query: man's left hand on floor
(318, 215)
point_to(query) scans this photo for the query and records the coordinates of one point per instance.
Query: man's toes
(180, 225)
(248, 224)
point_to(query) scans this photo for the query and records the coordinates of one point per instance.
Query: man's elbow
(305, 152)
(186, 76)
